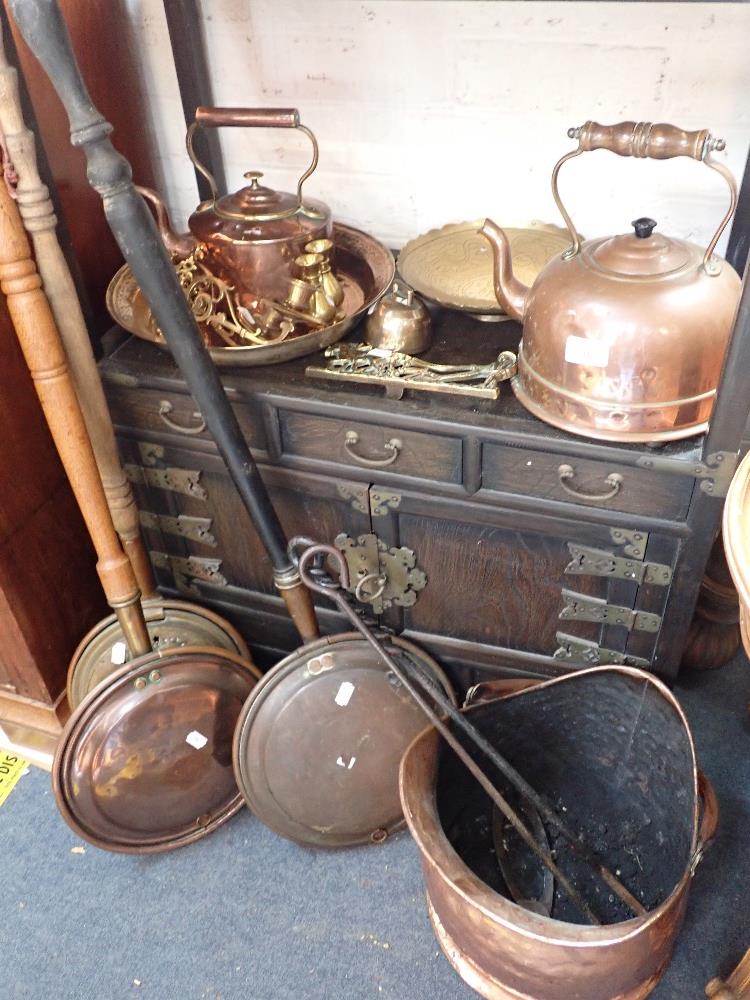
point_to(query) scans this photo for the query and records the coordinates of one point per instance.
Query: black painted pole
(42, 25)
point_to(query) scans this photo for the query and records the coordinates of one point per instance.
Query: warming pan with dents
(736, 530)
(611, 747)
(318, 743)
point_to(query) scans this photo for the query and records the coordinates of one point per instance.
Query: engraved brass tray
(452, 266)
(364, 267)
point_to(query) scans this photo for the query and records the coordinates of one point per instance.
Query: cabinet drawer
(583, 481)
(174, 413)
(369, 446)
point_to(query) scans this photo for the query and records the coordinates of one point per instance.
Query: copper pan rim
(150, 607)
(505, 912)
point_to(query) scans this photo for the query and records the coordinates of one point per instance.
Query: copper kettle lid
(144, 763)
(318, 744)
(641, 253)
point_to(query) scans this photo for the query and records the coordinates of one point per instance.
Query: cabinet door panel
(492, 585)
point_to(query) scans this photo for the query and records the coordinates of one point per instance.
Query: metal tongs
(363, 358)
(429, 699)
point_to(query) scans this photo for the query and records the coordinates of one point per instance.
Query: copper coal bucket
(611, 748)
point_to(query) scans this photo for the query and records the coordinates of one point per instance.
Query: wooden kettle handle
(41, 345)
(37, 212)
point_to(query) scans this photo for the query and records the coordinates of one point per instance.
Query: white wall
(430, 111)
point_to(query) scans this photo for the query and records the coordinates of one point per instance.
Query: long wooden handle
(45, 357)
(132, 225)
(37, 212)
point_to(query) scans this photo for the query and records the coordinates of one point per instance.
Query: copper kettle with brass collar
(624, 336)
(252, 237)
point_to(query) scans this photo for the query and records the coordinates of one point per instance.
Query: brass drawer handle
(165, 408)
(613, 480)
(394, 446)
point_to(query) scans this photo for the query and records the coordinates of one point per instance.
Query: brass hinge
(185, 481)
(381, 576)
(583, 651)
(187, 569)
(359, 496)
(198, 529)
(715, 473)
(582, 607)
(597, 562)
(633, 541)
(381, 501)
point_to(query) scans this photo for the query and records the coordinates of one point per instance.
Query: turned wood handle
(644, 139)
(248, 117)
(42, 25)
(736, 986)
(37, 213)
(45, 357)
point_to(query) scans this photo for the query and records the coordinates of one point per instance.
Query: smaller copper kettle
(253, 236)
(624, 336)
(399, 322)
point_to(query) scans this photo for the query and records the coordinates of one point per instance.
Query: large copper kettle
(624, 336)
(251, 237)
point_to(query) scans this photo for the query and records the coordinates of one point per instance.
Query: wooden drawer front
(368, 446)
(536, 473)
(174, 413)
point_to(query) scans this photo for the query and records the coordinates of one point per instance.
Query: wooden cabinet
(530, 550)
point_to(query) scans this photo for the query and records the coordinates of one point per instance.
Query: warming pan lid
(319, 741)
(144, 763)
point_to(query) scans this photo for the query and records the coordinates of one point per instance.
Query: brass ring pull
(613, 480)
(165, 408)
(394, 446)
(378, 592)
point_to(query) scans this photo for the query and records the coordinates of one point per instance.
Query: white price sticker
(119, 653)
(582, 351)
(196, 739)
(344, 694)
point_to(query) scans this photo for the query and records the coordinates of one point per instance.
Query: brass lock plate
(381, 576)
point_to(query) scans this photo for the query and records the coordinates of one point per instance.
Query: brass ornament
(398, 372)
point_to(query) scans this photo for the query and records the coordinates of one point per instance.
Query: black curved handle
(132, 225)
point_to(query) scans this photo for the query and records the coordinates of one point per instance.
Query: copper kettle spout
(178, 244)
(510, 292)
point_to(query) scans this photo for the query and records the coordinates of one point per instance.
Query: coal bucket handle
(313, 581)
(709, 823)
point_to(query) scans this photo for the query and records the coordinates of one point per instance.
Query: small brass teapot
(624, 336)
(253, 236)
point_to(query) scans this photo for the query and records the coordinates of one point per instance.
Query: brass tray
(364, 267)
(452, 266)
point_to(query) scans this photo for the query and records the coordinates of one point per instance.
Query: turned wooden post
(39, 219)
(45, 357)
(736, 986)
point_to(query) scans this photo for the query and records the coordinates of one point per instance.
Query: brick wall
(431, 112)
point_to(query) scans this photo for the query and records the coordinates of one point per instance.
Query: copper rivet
(378, 836)
(139, 683)
(154, 676)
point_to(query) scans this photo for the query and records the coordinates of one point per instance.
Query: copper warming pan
(611, 746)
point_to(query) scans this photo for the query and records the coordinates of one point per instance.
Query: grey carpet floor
(244, 914)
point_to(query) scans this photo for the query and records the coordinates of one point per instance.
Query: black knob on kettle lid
(644, 227)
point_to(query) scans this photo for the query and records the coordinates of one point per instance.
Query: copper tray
(452, 266)
(144, 763)
(364, 267)
(318, 744)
